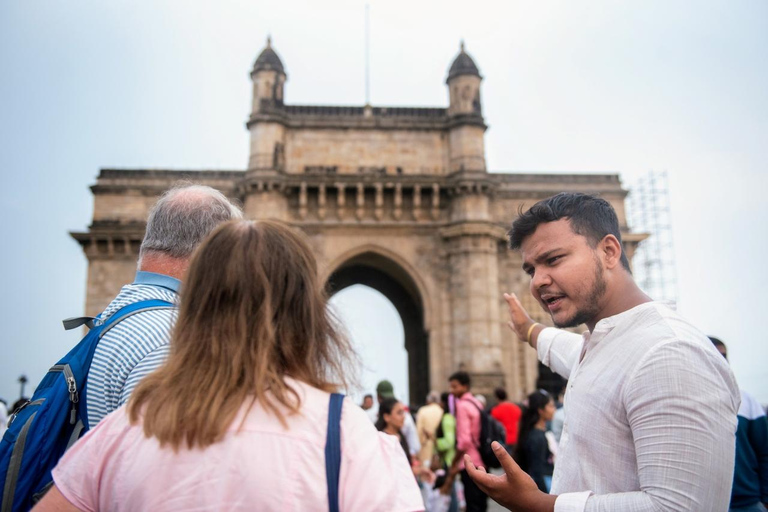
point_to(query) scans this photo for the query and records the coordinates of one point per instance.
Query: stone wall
(354, 151)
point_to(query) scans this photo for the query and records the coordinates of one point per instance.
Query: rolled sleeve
(572, 501)
(559, 350)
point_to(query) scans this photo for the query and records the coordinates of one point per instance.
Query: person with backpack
(179, 221)
(244, 414)
(126, 342)
(468, 438)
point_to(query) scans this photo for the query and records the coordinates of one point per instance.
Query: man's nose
(540, 279)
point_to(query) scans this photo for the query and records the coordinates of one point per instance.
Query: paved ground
(492, 505)
(495, 507)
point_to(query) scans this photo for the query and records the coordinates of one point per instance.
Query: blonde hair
(252, 312)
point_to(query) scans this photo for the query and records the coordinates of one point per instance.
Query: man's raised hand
(514, 489)
(521, 323)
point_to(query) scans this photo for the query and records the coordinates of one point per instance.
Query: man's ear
(610, 250)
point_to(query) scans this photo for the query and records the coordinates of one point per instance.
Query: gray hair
(183, 217)
(433, 397)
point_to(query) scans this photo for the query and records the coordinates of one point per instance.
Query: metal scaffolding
(654, 260)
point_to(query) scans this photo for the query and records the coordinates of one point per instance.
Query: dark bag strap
(333, 451)
(104, 326)
(120, 314)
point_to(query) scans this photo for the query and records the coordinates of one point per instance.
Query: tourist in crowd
(384, 390)
(533, 453)
(508, 414)
(237, 418)
(427, 420)
(750, 476)
(445, 435)
(392, 414)
(391, 419)
(558, 420)
(445, 447)
(3, 416)
(468, 428)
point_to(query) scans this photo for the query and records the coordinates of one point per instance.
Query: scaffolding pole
(654, 260)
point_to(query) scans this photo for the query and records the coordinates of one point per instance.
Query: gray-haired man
(178, 222)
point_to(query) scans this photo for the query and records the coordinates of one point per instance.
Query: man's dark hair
(368, 396)
(717, 343)
(500, 393)
(461, 377)
(589, 216)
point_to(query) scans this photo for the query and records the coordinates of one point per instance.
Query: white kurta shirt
(650, 415)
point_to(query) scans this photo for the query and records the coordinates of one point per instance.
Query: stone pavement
(492, 505)
(495, 507)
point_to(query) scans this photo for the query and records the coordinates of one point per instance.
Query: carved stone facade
(395, 198)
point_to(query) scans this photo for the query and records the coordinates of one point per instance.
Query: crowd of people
(230, 400)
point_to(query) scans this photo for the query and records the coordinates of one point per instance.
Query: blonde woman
(238, 417)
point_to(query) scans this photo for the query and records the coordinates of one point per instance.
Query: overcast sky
(599, 86)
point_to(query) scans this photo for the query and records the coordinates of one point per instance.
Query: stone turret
(268, 77)
(267, 131)
(467, 144)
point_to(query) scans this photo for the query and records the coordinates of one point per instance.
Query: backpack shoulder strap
(133, 309)
(333, 451)
(124, 312)
(102, 329)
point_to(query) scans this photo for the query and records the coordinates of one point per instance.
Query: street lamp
(22, 381)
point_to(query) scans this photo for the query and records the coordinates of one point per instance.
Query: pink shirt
(260, 467)
(468, 428)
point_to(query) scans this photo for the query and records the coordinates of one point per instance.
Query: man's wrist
(533, 333)
(545, 503)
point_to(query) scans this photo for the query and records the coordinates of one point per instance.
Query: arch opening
(391, 280)
(376, 332)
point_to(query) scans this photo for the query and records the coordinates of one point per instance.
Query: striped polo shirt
(134, 347)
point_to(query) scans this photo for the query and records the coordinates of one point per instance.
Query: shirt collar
(154, 279)
(612, 321)
(606, 325)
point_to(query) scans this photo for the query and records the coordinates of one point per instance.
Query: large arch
(382, 273)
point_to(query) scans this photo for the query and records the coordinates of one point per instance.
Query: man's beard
(592, 307)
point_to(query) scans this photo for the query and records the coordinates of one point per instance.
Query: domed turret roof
(463, 65)
(268, 60)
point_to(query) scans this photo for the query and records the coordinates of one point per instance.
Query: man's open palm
(514, 489)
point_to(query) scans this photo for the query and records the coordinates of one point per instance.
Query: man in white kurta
(650, 407)
(649, 411)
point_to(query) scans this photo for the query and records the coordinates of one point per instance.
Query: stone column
(472, 246)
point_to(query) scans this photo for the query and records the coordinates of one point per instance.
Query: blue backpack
(42, 429)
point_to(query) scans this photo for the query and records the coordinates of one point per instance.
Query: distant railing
(350, 111)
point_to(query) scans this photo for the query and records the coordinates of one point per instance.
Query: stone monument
(398, 199)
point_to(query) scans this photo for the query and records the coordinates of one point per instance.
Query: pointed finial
(461, 46)
(269, 41)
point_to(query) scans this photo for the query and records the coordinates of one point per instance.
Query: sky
(603, 86)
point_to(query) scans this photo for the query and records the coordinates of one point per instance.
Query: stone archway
(393, 281)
